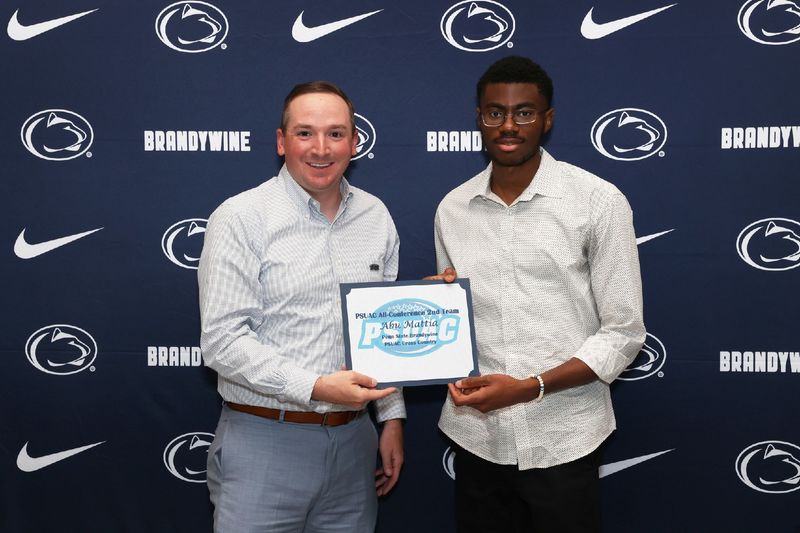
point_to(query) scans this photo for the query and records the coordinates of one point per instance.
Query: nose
(320, 144)
(508, 122)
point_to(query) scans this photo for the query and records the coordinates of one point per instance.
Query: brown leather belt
(338, 418)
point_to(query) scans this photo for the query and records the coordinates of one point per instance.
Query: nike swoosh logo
(26, 463)
(20, 32)
(640, 240)
(303, 34)
(613, 468)
(592, 30)
(24, 250)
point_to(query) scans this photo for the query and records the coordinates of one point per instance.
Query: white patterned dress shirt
(270, 307)
(554, 275)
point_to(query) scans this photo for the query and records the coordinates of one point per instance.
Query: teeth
(319, 165)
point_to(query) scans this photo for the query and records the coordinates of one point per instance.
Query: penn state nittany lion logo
(770, 244)
(477, 25)
(182, 242)
(649, 361)
(191, 27)
(57, 135)
(771, 466)
(185, 456)
(772, 22)
(449, 462)
(61, 349)
(366, 137)
(629, 134)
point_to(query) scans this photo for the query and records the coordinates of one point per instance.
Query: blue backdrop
(125, 124)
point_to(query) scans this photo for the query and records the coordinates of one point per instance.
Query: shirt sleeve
(392, 406)
(617, 287)
(231, 309)
(442, 259)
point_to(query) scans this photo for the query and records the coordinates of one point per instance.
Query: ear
(478, 117)
(353, 150)
(279, 140)
(548, 119)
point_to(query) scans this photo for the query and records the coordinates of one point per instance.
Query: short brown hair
(311, 87)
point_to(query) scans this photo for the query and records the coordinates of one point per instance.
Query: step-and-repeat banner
(124, 124)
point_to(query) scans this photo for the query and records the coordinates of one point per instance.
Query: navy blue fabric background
(675, 81)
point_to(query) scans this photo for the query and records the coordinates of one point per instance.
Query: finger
(459, 398)
(389, 484)
(472, 382)
(449, 275)
(380, 482)
(376, 394)
(474, 398)
(455, 392)
(390, 476)
(363, 380)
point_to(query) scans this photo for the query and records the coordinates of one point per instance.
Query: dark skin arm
(495, 391)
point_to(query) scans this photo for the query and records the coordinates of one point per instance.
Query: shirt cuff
(606, 362)
(299, 386)
(392, 406)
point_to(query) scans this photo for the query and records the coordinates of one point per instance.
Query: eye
(524, 113)
(303, 133)
(495, 113)
(338, 134)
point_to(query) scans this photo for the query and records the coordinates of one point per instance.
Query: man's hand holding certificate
(409, 333)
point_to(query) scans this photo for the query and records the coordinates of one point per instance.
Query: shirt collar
(300, 197)
(546, 181)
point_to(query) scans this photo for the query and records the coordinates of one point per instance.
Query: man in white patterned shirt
(551, 255)
(293, 451)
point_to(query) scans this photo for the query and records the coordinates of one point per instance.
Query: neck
(508, 182)
(328, 203)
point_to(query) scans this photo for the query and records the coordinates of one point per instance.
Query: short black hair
(517, 69)
(316, 87)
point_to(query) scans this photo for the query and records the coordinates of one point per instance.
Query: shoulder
(460, 197)
(579, 183)
(365, 202)
(246, 207)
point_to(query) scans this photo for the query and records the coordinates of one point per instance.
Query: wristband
(541, 387)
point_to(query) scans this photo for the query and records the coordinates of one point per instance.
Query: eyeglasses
(493, 118)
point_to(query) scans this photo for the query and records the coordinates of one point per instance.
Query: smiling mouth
(319, 165)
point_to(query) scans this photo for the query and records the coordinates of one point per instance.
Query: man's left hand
(492, 391)
(391, 450)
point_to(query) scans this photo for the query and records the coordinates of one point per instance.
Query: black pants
(492, 498)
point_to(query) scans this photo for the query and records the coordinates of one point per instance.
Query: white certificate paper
(409, 332)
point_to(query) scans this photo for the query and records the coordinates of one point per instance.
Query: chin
(511, 159)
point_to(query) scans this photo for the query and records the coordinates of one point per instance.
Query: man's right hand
(349, 388)
(449, 275)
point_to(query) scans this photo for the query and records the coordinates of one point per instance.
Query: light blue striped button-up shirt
(271, 320)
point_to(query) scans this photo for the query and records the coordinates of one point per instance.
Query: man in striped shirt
(293, 451)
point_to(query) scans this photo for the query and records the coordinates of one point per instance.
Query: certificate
(409, 332)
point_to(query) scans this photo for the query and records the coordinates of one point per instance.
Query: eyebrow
(310, 127)
(518, 106)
